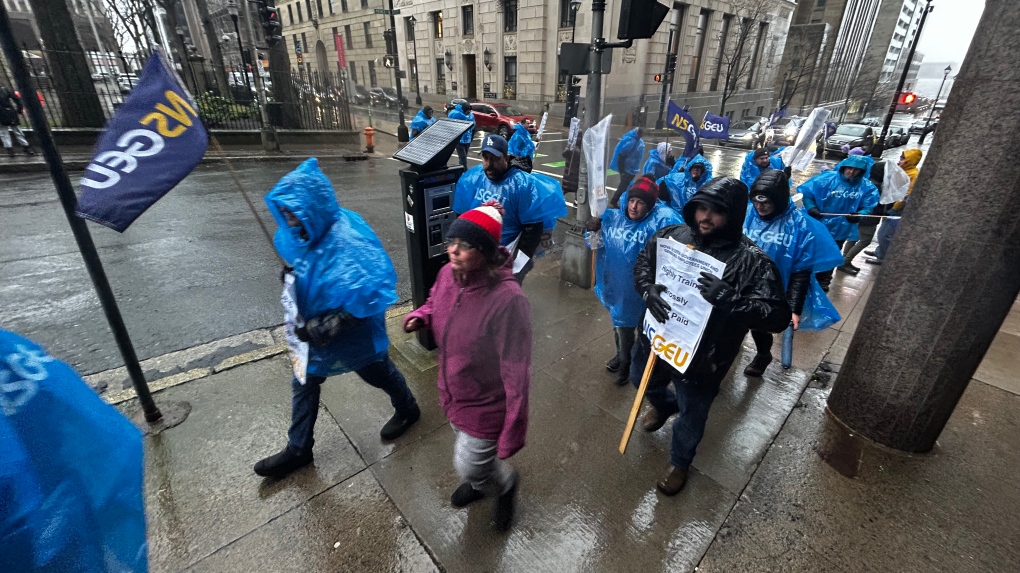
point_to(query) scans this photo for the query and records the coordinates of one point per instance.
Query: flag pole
(69, 201)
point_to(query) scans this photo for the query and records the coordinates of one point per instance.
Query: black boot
(399, 424)
(623, 375)
(28, 151)
(465, 495)
(280, 465)
(614, 364)
(505, 503)
(10, 150)
(758, 365)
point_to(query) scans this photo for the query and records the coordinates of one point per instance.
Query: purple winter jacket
(484, 338)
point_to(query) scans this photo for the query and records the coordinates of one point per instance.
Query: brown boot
(673, 481)
(652, 420)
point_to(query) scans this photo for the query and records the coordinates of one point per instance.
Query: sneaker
(505, 503)
(848, 269)
(870, 252)
(874, 261)
(465, 495)
(674, 480)
(652, 421)
(614, 364)
(398, 424)
(758, 365)
(280, 465)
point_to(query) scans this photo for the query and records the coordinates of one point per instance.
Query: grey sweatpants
(476, 463)
(5, 135)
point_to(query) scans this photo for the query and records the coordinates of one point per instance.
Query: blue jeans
(885, 237)
(689, 399)
(305, 399)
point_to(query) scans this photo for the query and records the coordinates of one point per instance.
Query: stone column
(953, 270)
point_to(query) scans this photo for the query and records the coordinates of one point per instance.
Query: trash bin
(641, 116)
(274, 110)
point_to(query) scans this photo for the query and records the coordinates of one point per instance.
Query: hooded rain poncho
(465, 114)
(749, 171)
(520, 144)
(831, 192)
(680, 185)
(656, 167)
(420, 122)
(628, 153)
(526, 198)
(338, 264)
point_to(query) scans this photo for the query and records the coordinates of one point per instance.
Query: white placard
(679, 268)
(595, 141)
(575, 128)
(296, 349)
(541, 126)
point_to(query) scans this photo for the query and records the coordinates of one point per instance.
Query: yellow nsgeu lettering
(180, 107)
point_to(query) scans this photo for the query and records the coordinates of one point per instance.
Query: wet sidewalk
(760, 498)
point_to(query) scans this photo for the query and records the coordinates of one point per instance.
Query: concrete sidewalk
(760, 498)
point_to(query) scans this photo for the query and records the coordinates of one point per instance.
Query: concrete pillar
(953, 270)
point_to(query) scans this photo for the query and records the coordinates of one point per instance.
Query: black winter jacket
(761, 301)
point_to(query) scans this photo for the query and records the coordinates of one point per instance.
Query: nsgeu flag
(715, 127)
(153, 141)
(681, 121)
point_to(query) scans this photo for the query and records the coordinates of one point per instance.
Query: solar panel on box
(432, 148)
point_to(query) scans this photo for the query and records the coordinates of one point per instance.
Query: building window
(760, 111)
(348, 37)
(290, 12)
(364, 3)
(467, 14)
(745, 112)
(763, 29)
(729, 114)
(371, 74)
(343, 6)
(437, 23)
(566, 14)
(354, 71)
(699, 49)
(300, 16)
(318, 4)
(304, 43)
(408, 29)
(368, 35)
(331, 12)
(510, 77)
(509, 15)
(308, 5)
(440, 75)
(820, 4)
(727, 19)
(561, 87)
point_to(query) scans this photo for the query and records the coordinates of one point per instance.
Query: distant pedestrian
(10, 121)
(658, 165)
(421, 120)
(909, 161)
(757, 161)
(679, 186)
(343, 282)
(624, 233)
(627, 156)
(749, 295)
(522, 149)
(572, 166)
(463, 112)
(481, 320)
(866, 227)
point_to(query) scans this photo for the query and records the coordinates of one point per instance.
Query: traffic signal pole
(667, 76)
(877, 150)
(268, 132)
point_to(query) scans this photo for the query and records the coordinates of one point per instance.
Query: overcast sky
(949, 28)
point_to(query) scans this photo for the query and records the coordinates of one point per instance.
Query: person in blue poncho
(627, 161)
(463, 112)
(757, 161)
(846, 194)
(532, 202)
(799, 250)
(680, 186)
(657, 165)
(522, 149)
(343, 282)
(624, 233)
(421, 120)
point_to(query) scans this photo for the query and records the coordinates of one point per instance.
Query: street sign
(341, 56)
(384, 11)
(490, 95)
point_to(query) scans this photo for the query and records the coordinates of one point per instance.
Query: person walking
(866, 227)
(757, 161)
(10, 122)
(627, 161)
(624, 233)
(421, 120)
(678, 187)
(909, 161)
(658, 165)
(521, 149)
(749, 296)
(463, 112)
(343, 282)
(481, 321)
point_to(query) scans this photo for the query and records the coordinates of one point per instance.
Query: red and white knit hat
(481, 226)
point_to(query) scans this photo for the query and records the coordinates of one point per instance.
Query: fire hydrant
(369, 140)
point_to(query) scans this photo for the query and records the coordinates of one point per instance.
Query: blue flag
(680, 120)
(780, 113)
(153, 142)
(714, 127)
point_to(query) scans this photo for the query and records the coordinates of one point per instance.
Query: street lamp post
(402, 128)
(232, 10)
(414, 43)
(924, 132)
(877, 150)
(575, 5)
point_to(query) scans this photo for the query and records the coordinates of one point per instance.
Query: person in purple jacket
(482, 324)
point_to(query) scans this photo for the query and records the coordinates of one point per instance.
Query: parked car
(897, 136)
(745, 133)
(852, 135)
(872, 121)
(500, 118)
(785, 130)
(918, 126)
(126, 81)
(386, 97)
(360, 95)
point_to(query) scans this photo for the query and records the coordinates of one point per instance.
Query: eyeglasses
(461, 245)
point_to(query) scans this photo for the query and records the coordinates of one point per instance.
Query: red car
(500, 118)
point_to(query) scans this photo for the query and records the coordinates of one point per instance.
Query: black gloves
(593, 224)
(653, 301)
(320, 330)
(853, 218)
(716, 291)
(302, 333)
(814, 212)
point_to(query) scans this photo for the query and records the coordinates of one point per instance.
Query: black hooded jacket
(761, 304)
(775, 185)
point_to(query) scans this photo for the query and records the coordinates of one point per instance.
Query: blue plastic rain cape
(655, 167)
(526, 198)
(420, 122)
(339, 263)
(614, 263)
(71, 471)
(630, 150)
(749, 171)
(458, 113)
(520, 144)
(682, 187)
(831, 192)
(795, 244)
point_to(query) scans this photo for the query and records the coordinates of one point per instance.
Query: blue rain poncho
(655, 167)
(623, 239)
(680, 185)
(831, 192)
(526, 198)
(795, 242)
(520, 144)
(420, 122)
(71, 471)
(628, 153)
(749, 171)
(461, 113)
(340, 264)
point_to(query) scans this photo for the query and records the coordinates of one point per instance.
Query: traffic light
(391, 41)
(573, 101)
(658, 78)
(389, 61)
(908, 98)
(271, 23)
(639, 19)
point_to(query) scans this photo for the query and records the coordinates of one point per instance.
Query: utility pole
(924, 132)
(671, 52)
(269, 140)
(880, 147)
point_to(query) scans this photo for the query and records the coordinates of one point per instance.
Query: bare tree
(737, 58)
